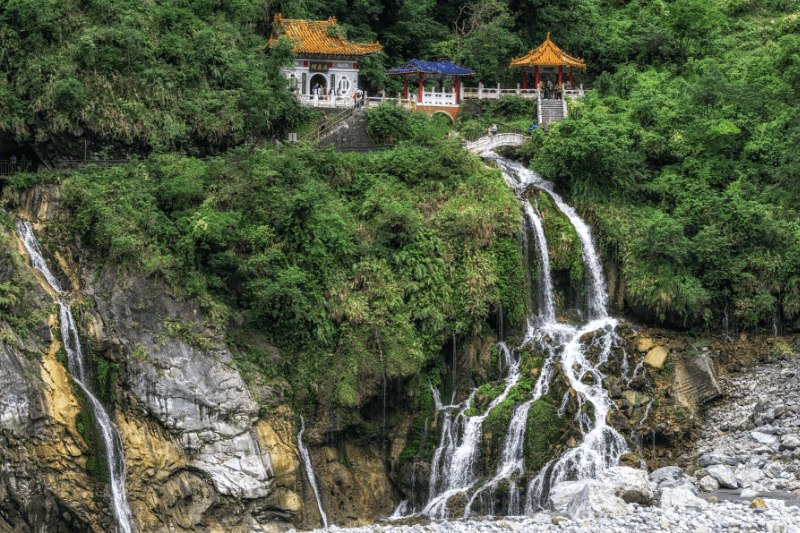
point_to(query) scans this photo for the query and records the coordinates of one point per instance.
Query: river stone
(617, 420)
(763, 438)
(563, 493)
(682, 495)
(656, 358)
(723, 475)
(763, 413)
(667, 473)
(630, 484)
(715, 459)
(597, 498)
(789, 442)
(748, 476)
(708, 484)
(748, 493)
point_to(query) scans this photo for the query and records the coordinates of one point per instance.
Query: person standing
(13, 163)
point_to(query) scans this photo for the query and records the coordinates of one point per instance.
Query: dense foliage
(352, 264)
(686, 159)
(170, 74)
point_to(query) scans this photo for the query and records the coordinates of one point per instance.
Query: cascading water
(310, 470)
(454, 467)
(72, 346)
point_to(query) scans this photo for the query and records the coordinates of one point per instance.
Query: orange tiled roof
(318, 37)
(547, 55)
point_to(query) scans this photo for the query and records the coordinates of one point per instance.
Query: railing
(406, 103)
(495, 93)
(493, 141)
(328, 125)
(12, 167)
(501, 129)
(319, 100)
(77, 163)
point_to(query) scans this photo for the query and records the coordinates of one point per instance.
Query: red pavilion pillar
(405, 87)
(536, 71)
(560, 70)
(455, 88)
(419, 96)
(570, 77)
(524, 80)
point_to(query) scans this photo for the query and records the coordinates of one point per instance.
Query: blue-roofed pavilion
(436, 70)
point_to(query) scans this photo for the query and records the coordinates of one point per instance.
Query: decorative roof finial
(548, 36)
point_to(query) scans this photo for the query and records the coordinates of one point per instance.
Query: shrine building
(547, 58)
(324, 57)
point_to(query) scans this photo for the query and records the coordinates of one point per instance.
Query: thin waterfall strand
(310, 471)
(72, 346)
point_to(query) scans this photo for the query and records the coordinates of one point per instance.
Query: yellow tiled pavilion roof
(317, 37)
(547, 55)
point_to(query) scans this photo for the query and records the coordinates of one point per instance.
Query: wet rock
(716, 459)
(563, 493)
(708, 484)
(614, 389)
(616, 420)
(644, 344)
(723, 475)
(457, 503)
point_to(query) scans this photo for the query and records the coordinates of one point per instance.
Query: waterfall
(547, 307)
(455, 385)
(454, 467)
(310, 470)
(72, 346)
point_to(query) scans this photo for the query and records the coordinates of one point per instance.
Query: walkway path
(491, 142)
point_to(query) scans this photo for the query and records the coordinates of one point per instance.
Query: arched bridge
(491, 142)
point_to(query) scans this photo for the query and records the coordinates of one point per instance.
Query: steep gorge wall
(201, 453)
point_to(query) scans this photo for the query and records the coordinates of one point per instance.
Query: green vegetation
(96, 464)
(544, 428)
(564, 250)
(318, 250)
(402, 125)
(685, 158)
(166, 74)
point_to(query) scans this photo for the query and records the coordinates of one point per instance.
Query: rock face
(597, 498)
(201, 454)
(630, 484)
(695, 380)
(656, 358)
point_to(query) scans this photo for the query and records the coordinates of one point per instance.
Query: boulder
(708, 484)
(694, 380)
(789, 442)
(748, 493)
(667, 473)
(614, 389)
(763, 438)
(616, 420)
(635, 398)
(682, 495)
(656, 358)
(723, 475)
(643, 344)
(596, 498)
(563, 493)
(630, 484)
(716, 459)
(763, 413)
(747, 476)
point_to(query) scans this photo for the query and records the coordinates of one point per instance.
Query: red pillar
(570, 77)
(524, 80)
(536, 70)
(455, 88)
(560, 70)
(419, 96)
(405, 87)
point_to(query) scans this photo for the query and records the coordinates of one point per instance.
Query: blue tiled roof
(430, 67)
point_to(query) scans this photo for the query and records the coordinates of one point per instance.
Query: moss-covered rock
(543, 433)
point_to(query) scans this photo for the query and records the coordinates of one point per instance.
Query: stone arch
(445, 113)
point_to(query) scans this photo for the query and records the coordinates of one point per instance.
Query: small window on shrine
(344, 86)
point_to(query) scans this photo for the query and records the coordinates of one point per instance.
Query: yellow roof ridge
(547, 55)
(315, 37)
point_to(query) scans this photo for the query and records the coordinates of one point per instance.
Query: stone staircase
(552, 111)
(349, 134)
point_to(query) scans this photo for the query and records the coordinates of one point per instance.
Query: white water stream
(72, 346)
(310, 470)
(455, 465)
